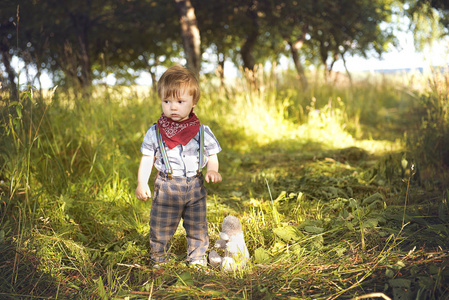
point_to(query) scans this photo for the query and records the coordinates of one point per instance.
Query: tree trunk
(190, 35)
(251, 39)
(38, 75)
(294, 48)
(220, 72)
(324, 55)
(346, 68)
(153, 81)
(69, 62)
(151, 71)
(82, 24)
(86, 69)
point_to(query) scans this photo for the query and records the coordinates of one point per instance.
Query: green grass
(321, 180)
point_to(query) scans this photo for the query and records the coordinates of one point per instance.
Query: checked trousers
(173, 199)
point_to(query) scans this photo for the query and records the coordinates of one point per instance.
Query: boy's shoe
(159, 266)
(199, 263)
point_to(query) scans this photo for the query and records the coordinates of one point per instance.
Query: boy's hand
(143, 192)
(212, 176)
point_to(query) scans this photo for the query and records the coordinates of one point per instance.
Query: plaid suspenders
(168, 169)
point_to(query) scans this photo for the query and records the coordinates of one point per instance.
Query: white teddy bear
(236, 253)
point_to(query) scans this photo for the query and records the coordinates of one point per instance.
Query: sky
(403, 57)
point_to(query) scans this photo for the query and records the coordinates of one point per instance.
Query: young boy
(172, 145)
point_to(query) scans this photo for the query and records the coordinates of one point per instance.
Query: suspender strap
(168, 169)
(201, 150)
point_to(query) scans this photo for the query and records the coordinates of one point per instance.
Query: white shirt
(183, 160)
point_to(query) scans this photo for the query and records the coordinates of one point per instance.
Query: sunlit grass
(317, 188)
(266, 118)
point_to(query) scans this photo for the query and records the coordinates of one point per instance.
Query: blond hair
(177, 79)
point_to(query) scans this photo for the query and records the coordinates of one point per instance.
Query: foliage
(332, 28)
(79, 42)
(326, 212)
(429, 20)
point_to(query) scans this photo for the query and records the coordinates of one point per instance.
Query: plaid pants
(173, 199)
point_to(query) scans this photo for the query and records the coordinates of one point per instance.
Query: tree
(442, 6)
(8, 31)
(429, 20)
(80, 41)
(215, 22)
(251, 37)
(69, 31)
(144, 36)
(350, 27)
(292, 21)
(190, 35)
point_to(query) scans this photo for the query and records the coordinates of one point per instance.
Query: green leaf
(389, 273)
(314, 229)
(19, 112)
(2, 236)
(345, 215)
(317, 241)
(370, 223)
(288, 233)
(443, 211)
(353, 204)
(339, 251)
(439, 229)
(349, 226)
(400, 283)
(426, 282)
(261, 256)
(434, 270)
(373, 198)
(400, 264)
(376, 204)
(101, 289)
(184, 279)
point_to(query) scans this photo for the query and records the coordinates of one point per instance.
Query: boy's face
(178, 108)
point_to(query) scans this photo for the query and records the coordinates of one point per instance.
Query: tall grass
(301, 170)
(429, 139)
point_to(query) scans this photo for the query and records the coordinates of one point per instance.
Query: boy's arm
(212, 170)
(143, 191)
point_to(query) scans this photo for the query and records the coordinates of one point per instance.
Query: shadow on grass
(20, 275)
(327, 176)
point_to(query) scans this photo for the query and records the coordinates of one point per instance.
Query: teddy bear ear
(224, 236)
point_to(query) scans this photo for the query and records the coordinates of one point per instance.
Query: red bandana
(174, 133)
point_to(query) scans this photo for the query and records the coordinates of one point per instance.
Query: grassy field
(342, 192)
